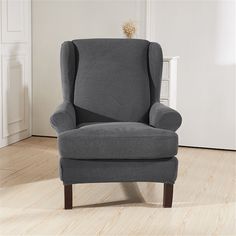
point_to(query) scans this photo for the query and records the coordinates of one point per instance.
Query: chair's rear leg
(68, 196)
(168, 195)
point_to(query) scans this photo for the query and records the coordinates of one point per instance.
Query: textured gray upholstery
(111, 126)
(118, 140)
(64, 118)
(155, 62)
(112, 80)
(68, 70)
(163, 117)
(95, 171)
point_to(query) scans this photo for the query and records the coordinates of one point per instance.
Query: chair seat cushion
(117, 140)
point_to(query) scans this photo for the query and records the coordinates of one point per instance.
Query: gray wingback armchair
(111, 125)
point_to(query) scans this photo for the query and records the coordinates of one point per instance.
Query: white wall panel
(15, 100)
(15, 71)
(15, 20)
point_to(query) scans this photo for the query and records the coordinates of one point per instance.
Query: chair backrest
(111, 79)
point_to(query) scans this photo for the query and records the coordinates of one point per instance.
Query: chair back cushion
(110, 79)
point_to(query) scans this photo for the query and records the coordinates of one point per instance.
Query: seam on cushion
(137, 158)
(120, 122)
(103, 137)
(118, 160)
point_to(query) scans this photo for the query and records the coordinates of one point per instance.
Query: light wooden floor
(31, 197)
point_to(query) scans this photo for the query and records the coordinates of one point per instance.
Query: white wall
(58, 21)
(202, 33)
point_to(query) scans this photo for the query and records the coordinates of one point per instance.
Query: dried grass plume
(129, 29)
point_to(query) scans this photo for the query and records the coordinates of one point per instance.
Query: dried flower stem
(129, 29)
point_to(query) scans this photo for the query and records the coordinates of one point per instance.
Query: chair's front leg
(68, 195)
(168, 195)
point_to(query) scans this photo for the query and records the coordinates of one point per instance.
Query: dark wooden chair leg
(168, 195)
(68, 196)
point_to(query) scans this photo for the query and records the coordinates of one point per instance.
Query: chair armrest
(63, 118)
(163, 117)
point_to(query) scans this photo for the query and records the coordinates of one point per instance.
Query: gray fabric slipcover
(111, 125)
(112, 80)
(163, 117)
(94, 171)
(63, 118)
(118, 140)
